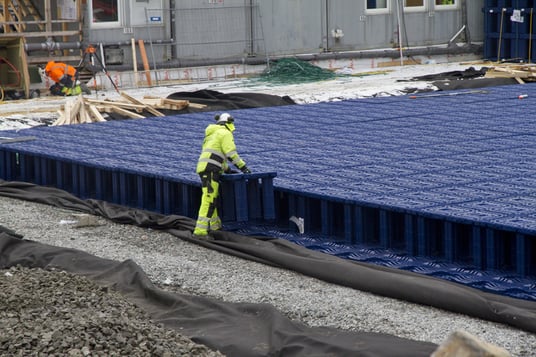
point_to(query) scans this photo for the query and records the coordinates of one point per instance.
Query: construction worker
(65, 78)
(218, 149)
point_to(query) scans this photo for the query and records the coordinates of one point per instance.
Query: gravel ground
(177, 265)
(37, 319)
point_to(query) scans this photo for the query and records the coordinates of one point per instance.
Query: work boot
(85, 89)
(204, 237)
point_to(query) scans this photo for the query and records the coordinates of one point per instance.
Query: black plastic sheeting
(235, 329)
(466, 79)
(229, 325)
(217, 101)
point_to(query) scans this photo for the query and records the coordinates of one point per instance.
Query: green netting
(291, 70)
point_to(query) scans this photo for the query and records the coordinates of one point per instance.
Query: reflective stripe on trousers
(208, 218)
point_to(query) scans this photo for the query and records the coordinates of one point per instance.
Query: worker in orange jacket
(65, 78)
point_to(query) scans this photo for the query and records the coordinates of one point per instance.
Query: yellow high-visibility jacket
(218, 148)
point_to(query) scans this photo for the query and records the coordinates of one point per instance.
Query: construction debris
(522, 72)
(85, 110)
(77, 111)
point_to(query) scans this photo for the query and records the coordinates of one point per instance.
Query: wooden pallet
(522, 72)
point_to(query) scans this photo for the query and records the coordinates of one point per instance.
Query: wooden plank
(67, 112)
(60, 120)
(197, 105)
(137, 107)
(95, 113)
(84, 115)
(145, 62)
(155, 102)
(24, 69)
(135, 61)
(149, 108)
(177, 102)
(121, 111)
(75, 109)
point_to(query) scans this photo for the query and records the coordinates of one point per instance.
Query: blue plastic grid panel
(443, 156)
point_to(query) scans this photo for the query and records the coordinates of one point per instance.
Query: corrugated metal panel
(219, 29)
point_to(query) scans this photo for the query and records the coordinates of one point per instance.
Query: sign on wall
(67, 10)
(146, 12)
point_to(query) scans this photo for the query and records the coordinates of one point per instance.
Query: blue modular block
(3, 164)
(491, 249)
(359, 225)
(422, 237)
(477, 247)
(348, 223)
(409, 233)
(243, 200)
(389, 171)
(521, 256)
(384, 228)
(449, 241)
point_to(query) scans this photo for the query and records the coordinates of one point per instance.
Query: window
(445, 4)
(105, 12)
(413, 3)
(376, 4)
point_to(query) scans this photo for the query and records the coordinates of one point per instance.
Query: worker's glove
(245, 170)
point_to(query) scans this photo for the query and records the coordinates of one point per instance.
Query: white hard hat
(224, 118)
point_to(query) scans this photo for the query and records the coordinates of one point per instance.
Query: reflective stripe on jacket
(56, 70)
(218, 147)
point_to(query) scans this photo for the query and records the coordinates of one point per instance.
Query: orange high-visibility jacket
(56, 70)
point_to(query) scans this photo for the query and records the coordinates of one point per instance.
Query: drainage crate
(244, 197)
(446, 177)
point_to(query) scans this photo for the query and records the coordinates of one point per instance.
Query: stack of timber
(78, 111)
(86, 110)
(522, 72)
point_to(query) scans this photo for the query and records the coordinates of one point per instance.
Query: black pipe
(251, 60)
(418, 51)
(52, 46)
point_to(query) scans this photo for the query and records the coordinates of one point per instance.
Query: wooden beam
(41, 34)
(145, 62)
(95, 113)
(149, 108)
(118, 103)
(135, 61)
(48, 17)
(121, 111)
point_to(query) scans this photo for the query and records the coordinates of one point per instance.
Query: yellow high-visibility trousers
(208, 219)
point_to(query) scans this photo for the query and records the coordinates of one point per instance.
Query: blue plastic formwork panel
(441, 154)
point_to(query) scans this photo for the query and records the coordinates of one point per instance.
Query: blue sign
(156, 18)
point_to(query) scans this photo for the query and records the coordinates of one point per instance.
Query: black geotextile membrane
(216, 101)
(235, 329)
(228, 327)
